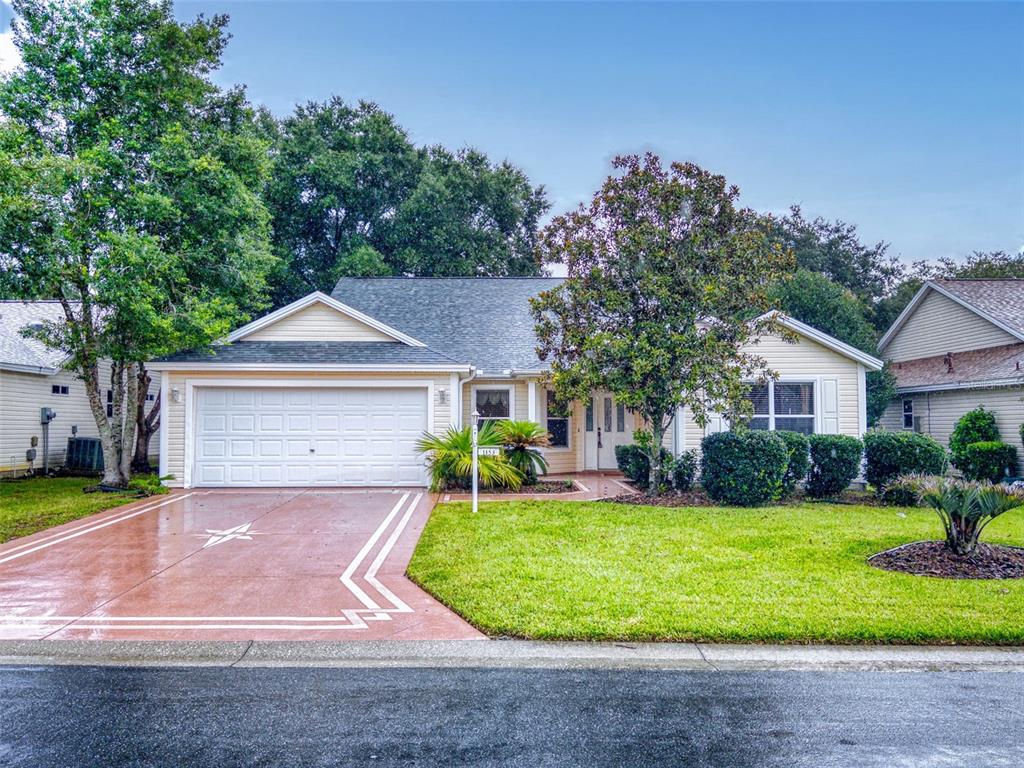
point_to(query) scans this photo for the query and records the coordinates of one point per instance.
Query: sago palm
(522, 441)
(966, 508)
(450, 459)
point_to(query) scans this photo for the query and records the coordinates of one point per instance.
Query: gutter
(985, 384)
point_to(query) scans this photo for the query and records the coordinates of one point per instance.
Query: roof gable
(999, 304)
(18, 353)
(827, 341)
(318, 317)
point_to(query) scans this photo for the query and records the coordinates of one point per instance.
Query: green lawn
(27, 506)
(601, 571)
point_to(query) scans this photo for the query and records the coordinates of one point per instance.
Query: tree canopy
(666, 279)
(351, 194)
(129, 190)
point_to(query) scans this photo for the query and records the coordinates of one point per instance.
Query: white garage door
(316, 436)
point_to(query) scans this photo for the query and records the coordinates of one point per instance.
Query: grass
(28, 506)
(602, 571)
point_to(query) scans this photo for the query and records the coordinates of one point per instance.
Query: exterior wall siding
(938, 412)
(21, 397)
(940, 325)
(318, 322)
(176, 411)
(793, 361)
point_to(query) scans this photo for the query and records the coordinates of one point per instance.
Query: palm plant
(966, 508)
(522, 441)
(450, 459)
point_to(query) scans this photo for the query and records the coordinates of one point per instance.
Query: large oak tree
(667, 281)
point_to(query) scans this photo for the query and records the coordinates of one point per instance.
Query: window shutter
(716, 423)
(830, 406)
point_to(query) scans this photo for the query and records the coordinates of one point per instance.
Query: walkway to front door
(281, 564)
(607, 423)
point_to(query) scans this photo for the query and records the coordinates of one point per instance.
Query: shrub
(149, 484)
(684, 471)
(906, 490)
(799, 449)
(743, 468)
(450, 459)
(975, 426)
(989, 460)
(522, 439)
(965, 509)
(891, 454)
(835, 461)
(635, 464)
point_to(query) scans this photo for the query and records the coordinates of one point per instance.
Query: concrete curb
(512, 653)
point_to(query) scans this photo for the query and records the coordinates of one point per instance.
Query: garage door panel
(264, 436)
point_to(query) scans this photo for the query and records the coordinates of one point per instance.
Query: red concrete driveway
(282, 564)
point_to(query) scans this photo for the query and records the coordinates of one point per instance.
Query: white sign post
(475, 431)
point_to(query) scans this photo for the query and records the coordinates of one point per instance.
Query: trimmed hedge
(891, 454)
(990, 460)
(743, 468)
(633, 462)
(835, 461)
(799, 448)
(684, 470)
(977, 426)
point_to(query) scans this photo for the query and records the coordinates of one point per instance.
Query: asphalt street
(220, 716)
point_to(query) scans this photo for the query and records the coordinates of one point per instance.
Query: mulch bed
(688, 499)
(544, 486)
(931, 558)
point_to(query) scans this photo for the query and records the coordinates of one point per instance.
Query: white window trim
(814, 380)
(510, 388)
(568, 426)
(904, 414)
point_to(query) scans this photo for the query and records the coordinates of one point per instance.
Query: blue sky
(907, 120)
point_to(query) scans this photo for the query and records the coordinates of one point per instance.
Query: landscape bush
(743, 468)
(835, 462)
(450, 459)
(906, 490)
(891, 454)
(684, 470)
(965, 508)
(634, 463)
(990, 460)
(799, 463)
(977, 426)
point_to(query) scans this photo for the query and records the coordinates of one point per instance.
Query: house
(957, 345)
(32, 377)
(335, 390)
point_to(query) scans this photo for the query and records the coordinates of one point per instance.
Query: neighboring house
(32, 377)
(958, 344)
(335, 390)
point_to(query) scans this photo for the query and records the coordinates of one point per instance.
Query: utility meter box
(46, 415)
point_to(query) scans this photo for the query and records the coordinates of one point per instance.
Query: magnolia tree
(667, 281)
(129, 191)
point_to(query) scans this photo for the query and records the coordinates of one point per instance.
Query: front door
(608, 424)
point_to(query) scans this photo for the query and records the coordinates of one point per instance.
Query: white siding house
(958, 345)
(32, 378)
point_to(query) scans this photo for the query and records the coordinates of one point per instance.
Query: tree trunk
(128, 407)
(145, 424)
(657, 471)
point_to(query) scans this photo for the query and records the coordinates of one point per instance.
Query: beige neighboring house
(32, 377)
(335, 390)
(958, 344)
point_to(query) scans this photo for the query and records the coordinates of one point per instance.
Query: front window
(784, 405)
(493, 403)
(556, 421)
(908, 414)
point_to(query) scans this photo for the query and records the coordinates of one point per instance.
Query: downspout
(473, 373)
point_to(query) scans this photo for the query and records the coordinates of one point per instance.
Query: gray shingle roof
(1001, 299)
(484, 321)
(325, 352)
(15, 349)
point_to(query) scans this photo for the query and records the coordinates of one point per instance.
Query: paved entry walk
(287, 564)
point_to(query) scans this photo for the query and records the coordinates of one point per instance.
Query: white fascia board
(868, 361)
(919, 297)
(306, 367)
(984, 384)
(35, 369)
(322, 298)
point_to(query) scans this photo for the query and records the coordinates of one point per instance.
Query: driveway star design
(240, 532)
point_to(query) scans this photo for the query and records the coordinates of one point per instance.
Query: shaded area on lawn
(34, 504)
(604, 571)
